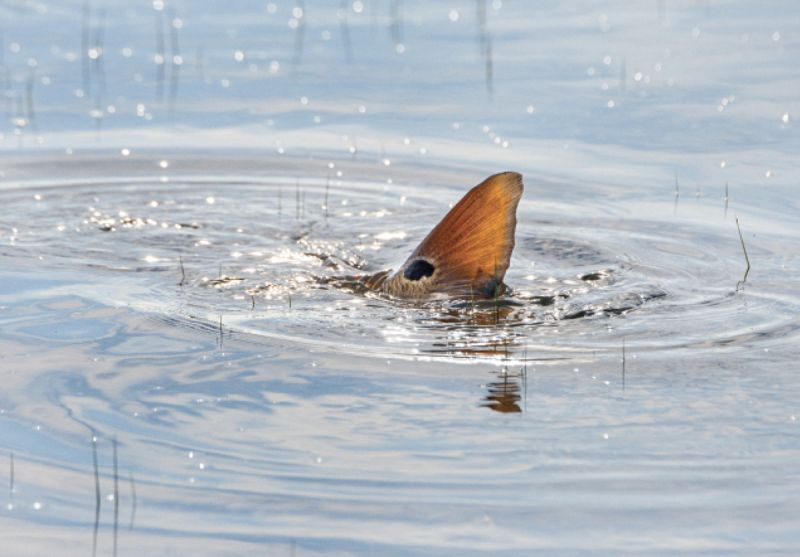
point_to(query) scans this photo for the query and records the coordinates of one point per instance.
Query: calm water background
(178, 180)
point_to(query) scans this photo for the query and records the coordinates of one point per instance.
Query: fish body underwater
(467, 253)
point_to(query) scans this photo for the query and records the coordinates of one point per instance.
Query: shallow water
(169, 232)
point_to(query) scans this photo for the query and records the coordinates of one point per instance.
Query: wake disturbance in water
(270, 274)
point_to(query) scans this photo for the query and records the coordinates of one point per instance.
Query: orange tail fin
(469, 251)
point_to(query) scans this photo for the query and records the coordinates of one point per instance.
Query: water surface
(181, 182)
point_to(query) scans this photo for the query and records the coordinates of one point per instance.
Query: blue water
(180, 181)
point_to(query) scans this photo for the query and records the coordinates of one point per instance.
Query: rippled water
(184, 372)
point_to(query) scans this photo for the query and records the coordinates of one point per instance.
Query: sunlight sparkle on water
(383, 236)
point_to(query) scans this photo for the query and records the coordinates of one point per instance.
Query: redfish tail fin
(469, 251)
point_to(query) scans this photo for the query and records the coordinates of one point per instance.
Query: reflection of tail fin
(504, 395)
(468, 252)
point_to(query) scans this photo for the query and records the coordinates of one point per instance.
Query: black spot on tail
(418, 269)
